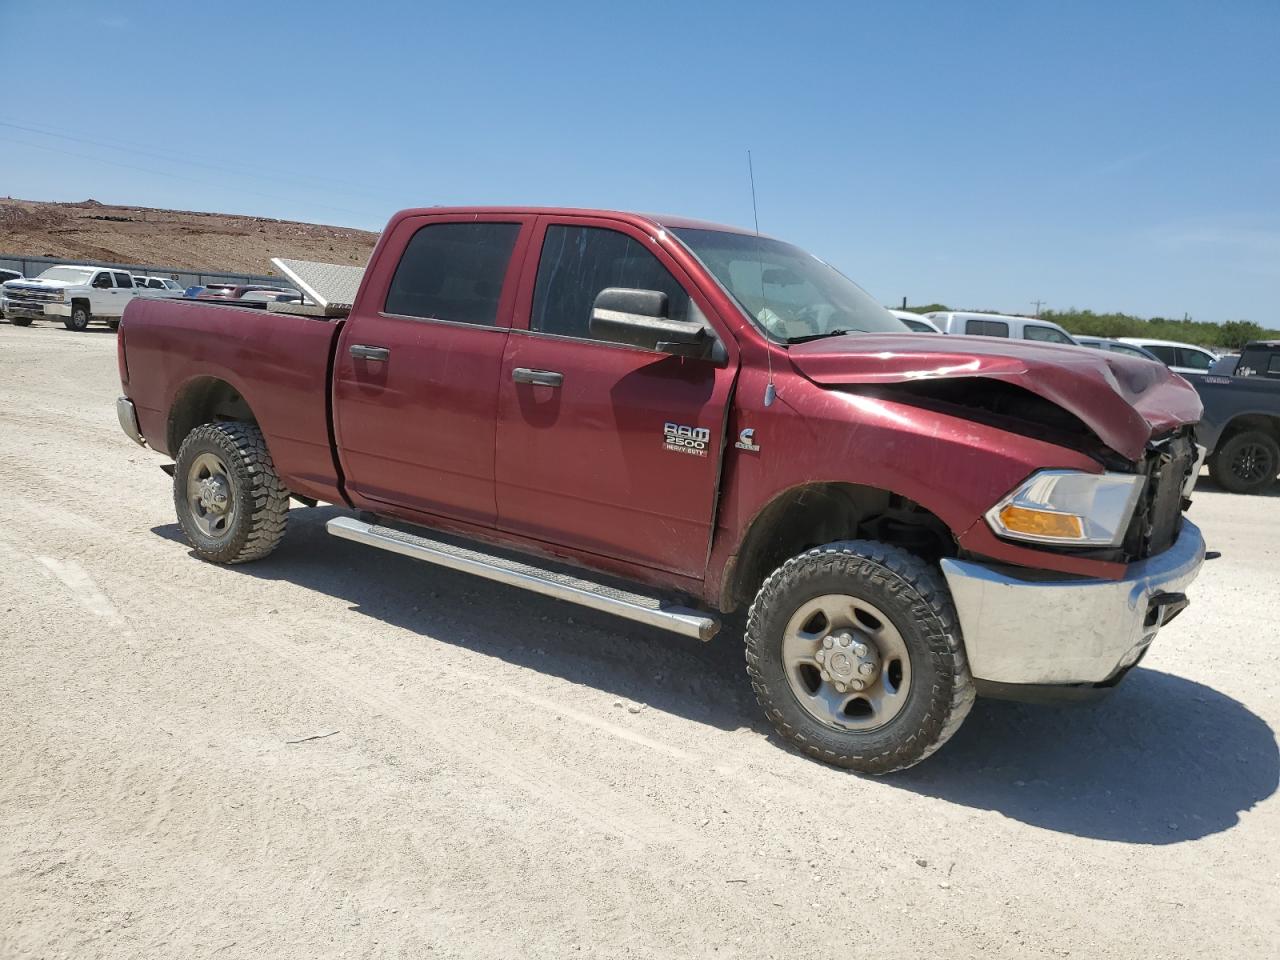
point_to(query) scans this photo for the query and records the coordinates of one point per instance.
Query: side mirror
(638, 318)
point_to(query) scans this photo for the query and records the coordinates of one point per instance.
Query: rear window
(123, 280)
(1037, 331)
(986, 328)
(1167, 355)
(1127, 350)
(453, 271)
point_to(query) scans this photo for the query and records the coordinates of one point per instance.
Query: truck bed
(180, 353)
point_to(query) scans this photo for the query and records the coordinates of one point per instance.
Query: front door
(102, 295)
(416, 373)
(607, 449)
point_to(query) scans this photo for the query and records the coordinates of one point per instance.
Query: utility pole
(1038, 304)
(904, 303)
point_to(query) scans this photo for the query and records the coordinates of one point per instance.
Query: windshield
(67, 274)
(791, 295)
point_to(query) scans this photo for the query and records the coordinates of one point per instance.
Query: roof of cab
(671, 221)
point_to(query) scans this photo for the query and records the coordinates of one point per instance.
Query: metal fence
(30, 266)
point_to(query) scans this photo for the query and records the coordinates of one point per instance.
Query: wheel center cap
(847, 661)
(213, 494)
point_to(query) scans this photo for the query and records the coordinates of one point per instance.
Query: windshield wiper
(822, 336)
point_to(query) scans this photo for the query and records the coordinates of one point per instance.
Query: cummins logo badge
(747, 441)
(681, 439)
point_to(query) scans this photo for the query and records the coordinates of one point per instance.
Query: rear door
(123, 290)
(416, 374)
(602, 448)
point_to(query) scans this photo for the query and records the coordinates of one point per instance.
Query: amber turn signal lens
(1041, 523)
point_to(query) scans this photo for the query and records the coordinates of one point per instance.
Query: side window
(1168, 355)
(453, 271)
(123, 280)
(1194, 359)
(987, 328)
(578, 262)
(102, 281)
(1035, 331)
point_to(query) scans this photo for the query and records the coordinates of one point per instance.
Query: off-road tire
(79, 319)
(1222, 465)
(21, 321)
(262, 500)
(914, 596)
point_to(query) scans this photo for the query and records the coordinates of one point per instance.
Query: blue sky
(1117, 156)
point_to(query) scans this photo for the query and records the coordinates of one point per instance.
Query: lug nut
(826, 642)
(845, 640)
(866, 669)
(825, 675)
(840, 686)
(860, 649)
(857, 684)
(820, 655)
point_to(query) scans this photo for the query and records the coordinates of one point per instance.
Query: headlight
(1069, 508)
(62, 294)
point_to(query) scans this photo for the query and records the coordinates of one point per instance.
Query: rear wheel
(855, 654)
(230, 502)
(79, 319)
(1246, 463)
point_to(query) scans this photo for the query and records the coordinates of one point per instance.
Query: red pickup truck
(671, 420)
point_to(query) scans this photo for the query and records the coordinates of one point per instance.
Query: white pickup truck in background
(161, 287)
(75, 295)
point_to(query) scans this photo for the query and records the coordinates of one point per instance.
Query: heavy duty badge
(681, 439)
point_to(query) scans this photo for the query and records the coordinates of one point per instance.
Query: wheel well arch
(1266, 422)
(812, 514)
(204, 400)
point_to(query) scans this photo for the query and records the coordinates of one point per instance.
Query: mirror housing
(638, 318)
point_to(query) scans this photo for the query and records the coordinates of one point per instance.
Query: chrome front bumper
(1058, 632)
(128, 417)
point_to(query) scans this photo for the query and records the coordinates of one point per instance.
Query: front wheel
(1247, 463)
(855, 654)
(230, 502)
(79, 319)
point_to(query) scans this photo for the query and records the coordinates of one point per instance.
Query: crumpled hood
(1124, 400)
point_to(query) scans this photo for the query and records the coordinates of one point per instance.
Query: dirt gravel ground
(340, 752)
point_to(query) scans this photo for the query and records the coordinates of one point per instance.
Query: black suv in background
(1241, 424)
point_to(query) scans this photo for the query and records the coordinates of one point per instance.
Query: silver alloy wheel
(211, 496)
(847, 664)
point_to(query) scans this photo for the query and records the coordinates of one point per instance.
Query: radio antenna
(769, 390)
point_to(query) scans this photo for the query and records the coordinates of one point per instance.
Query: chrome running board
(550, 583)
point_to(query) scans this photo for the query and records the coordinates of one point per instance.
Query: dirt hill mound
(171, 238)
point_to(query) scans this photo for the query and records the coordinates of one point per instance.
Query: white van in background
(1000, 325)
(1183, 358)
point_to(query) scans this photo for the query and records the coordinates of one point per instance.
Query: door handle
(362, 352)
(544, 378)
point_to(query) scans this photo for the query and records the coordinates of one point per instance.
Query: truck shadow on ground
(1163, 760)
